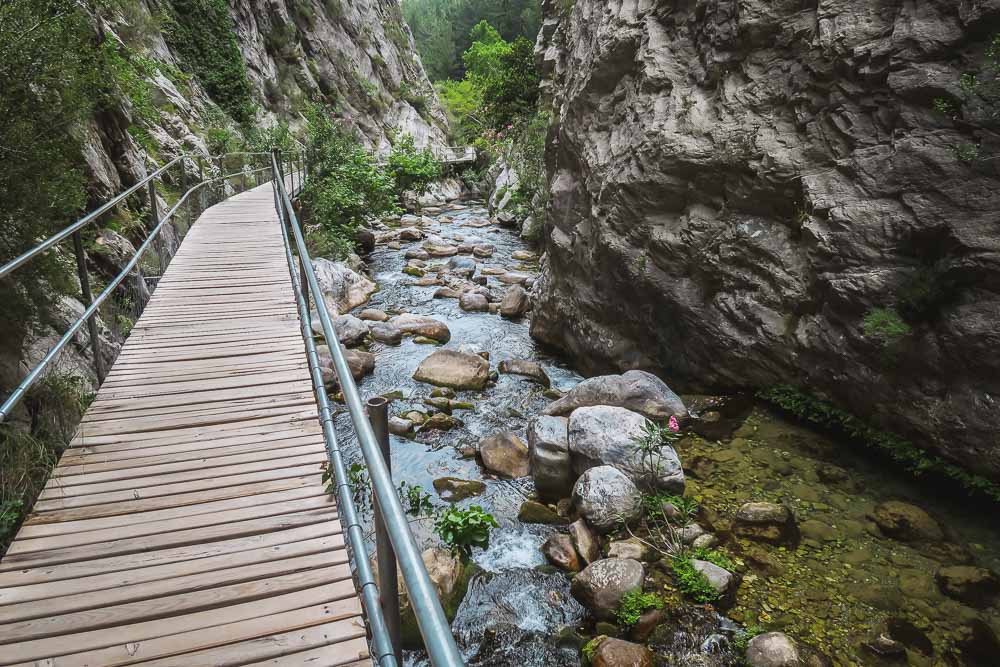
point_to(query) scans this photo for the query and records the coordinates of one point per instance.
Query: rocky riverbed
(815, 553)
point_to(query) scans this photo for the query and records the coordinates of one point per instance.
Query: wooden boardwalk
(187, 523)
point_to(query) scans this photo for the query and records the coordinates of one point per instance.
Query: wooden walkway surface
(187, 523)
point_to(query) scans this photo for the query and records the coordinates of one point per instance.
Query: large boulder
(450, 577)
(612, 652)
(422, 325)
(505, 454)
(601, 585)
(548, 447)
(451, 368)
(473, 302)
(609, 435)
(975, 586)
(360, 363)
(638, 391)
(585, 540)
(515, 302)
(341, 287)
(462, 266)
(606, 498)
(776, 649)
(350, 330)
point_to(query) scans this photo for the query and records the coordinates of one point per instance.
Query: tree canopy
(443, 29)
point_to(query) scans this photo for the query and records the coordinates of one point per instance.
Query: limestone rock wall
(736, 184)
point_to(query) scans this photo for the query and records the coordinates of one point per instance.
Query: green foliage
(54, 407)
(416, 99)
(203, 34)
(441, 28)
(504, 74)
(885, 326)
(412, 169)
(50, 78)
(633, 604)
(464, 529)
(345, 186)
(650, 446)
(462, 104)
(967, 152)
(414, 500)
(590, 648)
(925, 292)
(687, 508)
(265, 139)
(713, 556)
(910, 457)
(742, 639)
(690, 581)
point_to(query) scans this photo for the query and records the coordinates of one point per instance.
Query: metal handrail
(19, 392)
(430, 616)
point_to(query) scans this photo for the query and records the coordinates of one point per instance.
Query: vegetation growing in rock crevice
(202, 32)
(634, 604)
(911, 457)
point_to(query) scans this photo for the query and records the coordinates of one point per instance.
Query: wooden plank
(187, 523)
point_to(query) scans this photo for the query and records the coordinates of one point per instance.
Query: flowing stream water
(837, 590)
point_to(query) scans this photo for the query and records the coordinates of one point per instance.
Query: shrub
(345, 186)
(413, 169)
(633, 604)
(692, 582)
(464, 529)
(885, 326)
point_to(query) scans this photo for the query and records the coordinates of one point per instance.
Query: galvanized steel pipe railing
(433, 624)
(92, 304)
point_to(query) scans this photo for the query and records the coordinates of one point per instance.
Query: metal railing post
(88, 298)
(243, 173)
(388, 583)
(154, 220)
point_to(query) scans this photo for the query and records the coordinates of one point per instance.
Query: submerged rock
(421, 325)
(906, 522)
(454, 489)
(609, 435)
(776, 649)
(548, 447)
(766, 522)
(513, 619)
(601, 585)
(529, 369)
(637, 391)
(505, 454)
(606, 497)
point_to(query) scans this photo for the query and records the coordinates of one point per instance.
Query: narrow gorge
(685, 314)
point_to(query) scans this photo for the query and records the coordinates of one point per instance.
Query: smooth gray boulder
(601, 585)
(422, 325)
(385, 333)
(527, 368)
(609, 435)
(606, 498)
(548, 447)
(638, 391)
(451, 368)
(341, 287)
(350, 330)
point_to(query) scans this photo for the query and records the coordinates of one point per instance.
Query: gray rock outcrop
(734, 187)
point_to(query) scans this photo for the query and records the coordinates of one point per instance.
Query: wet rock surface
(601, 585)
(606, 497)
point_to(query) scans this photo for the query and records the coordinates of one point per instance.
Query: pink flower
(673, 425)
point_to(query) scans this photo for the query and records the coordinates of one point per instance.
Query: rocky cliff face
(736, 186)
(356, 56)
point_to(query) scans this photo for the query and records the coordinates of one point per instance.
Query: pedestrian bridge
(188, 522)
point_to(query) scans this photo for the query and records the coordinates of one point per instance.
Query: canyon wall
(747, 193)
